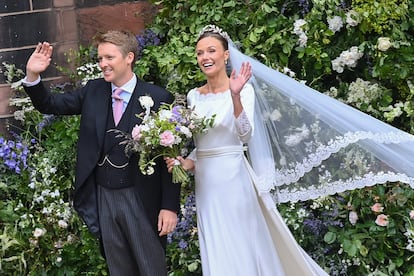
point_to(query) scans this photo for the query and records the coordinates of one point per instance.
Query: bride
(301, 144)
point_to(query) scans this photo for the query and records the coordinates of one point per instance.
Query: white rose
(186, 131)
(335, 23)
(352, 18)
(353, 217)
(383, 43)
(297, 26)
(38, 232)
(62, 224)
(146, 102)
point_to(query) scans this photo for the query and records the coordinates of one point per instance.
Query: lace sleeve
(244, 122)
(243, 126)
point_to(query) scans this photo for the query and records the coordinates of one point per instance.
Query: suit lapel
(102, 111)
(135, 105)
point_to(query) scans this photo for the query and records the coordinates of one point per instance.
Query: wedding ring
(176, 162)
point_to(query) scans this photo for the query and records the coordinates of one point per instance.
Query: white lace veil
(306, 144)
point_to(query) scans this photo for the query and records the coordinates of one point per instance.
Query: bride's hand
(238, 81)
(187, 164)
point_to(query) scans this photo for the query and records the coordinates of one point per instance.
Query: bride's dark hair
(216, 32)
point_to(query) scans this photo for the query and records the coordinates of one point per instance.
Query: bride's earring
(225, 61)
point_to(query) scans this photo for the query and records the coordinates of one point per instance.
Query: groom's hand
(167, 220)
(39, 61)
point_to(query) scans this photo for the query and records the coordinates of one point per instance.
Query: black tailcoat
(91, 102)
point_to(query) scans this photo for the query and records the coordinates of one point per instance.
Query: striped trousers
(130, 244)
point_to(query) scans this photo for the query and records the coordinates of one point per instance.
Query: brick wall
(64, 23)
(132, 16)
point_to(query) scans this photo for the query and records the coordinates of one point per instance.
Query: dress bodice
(227, 130)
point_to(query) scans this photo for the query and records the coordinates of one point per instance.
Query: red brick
(63, 3)
(126, 16)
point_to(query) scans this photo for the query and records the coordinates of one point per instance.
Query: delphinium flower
(303, 4)
(13, 155)
(48, 119)
(185, 229)
(147, 38)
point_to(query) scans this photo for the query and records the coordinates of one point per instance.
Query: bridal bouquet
(166, 133)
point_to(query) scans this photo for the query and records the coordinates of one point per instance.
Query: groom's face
(115, 66)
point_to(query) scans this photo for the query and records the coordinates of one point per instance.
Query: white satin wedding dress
(240, 230)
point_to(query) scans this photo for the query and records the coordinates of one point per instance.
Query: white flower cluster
(299, 30)
(89, 71)
(47, 198)
(335, 23)
(24, 106)
(410, 236)
(393, 111)
(347, 58)
(362, 92)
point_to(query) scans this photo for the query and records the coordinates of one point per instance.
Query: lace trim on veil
(370, 179)
(323, 152)
(307, 145)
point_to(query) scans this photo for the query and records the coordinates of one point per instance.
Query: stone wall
(24, 23)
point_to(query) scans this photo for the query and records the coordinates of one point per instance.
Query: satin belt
(264, 194)
(220, 151)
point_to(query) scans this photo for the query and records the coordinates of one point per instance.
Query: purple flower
(147, 38)
(13, 155)
(183, 244)
(47, 120)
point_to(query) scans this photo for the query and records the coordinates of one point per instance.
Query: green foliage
(359, 246)
(379, 15)
(265, 30)
(379, 82)
(40, 232)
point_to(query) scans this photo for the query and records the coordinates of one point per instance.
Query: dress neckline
(210, 93)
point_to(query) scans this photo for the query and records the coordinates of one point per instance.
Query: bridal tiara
(213, 29)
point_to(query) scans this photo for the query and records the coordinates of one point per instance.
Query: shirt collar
(129, 86)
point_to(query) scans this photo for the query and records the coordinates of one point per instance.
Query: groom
(130, 213)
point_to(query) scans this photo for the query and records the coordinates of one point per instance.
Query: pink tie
(118, 105)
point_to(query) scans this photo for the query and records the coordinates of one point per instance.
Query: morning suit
(94, 187)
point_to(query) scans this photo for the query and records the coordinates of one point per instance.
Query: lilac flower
(147, 38)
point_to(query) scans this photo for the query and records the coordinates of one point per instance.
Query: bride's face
(211, 56)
